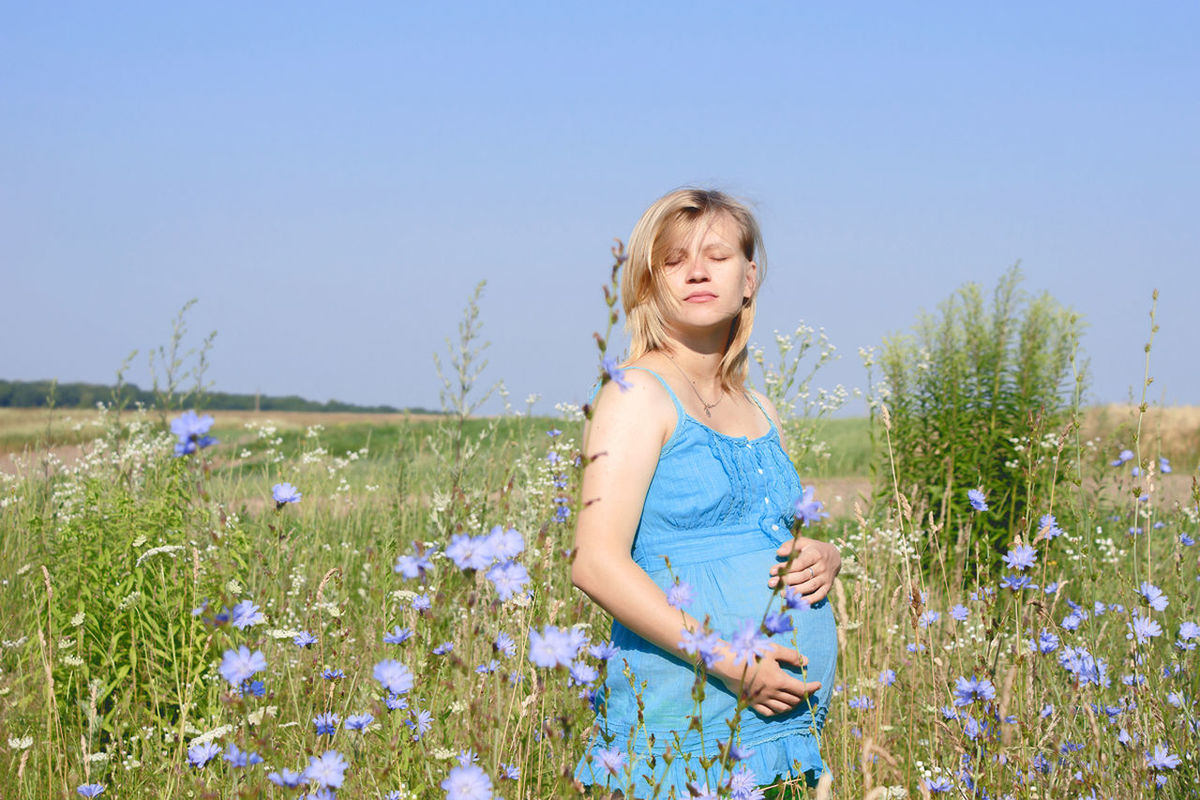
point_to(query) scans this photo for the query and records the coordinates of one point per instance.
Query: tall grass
(122, 577)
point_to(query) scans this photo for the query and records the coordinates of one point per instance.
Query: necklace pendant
(708, 412)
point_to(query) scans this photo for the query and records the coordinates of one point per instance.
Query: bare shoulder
(768, 406)
(639, 402)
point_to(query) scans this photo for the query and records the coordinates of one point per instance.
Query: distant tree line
(37, 394)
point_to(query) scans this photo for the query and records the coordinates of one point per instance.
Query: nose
(697, 270)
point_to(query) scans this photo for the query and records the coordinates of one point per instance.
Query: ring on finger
(811, 574)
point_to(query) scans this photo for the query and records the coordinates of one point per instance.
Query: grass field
(129, 579)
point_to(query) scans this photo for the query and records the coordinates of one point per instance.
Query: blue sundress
(718, 507)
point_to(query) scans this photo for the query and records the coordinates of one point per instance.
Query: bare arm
(624, 439)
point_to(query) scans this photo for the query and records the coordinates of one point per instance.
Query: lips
(699, 297)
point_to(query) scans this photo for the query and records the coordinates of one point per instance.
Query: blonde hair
(642, 288)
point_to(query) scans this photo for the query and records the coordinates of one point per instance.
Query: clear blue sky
(332, 180)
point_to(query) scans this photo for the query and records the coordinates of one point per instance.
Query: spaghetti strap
(770, 422)
(674, 399)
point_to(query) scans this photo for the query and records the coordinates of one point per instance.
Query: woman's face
(707, 275)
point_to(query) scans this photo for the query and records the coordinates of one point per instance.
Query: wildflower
(91, 789)
(861, 701)
(509, 772)
(469, 552)
(200, 754)
(256, 688)
(1048, 527)
(284, 493)
(1164, 466)
(794, 600)
(326, 724)
(421, 723)
(467, 782)
(397, 635)
(583, 674)
(960, 612)
(1020, 557)
(679, 595)
(1046, 642)
(1143, 629)
(509, 578)
(1186, 540)
(748, 643)
(887, 677)
(286, 778)
(949, 713)
(1047, 710)
(421, 602)
(304, 639)
(241, 758)
(1126, 455)
(359, 722)
(191, 430)
(611, 368)
(777, 623)
(327, 769)
(394, 676)
(238, 666)
(604, 650)
(1016, 582)
(967, 692)
(395, 702)
(743, 785)
(552, 647)
(443, 648)
(331, 674)
(246, 614)
(1154, 596)
(928, 618)
(807, 509)
(1162, 758)
(1072, 621)
(977, 500)
(701, 643)
(414, 566)
(939, 784)
(505, 644)
(1188, 631)
(506, 544)
(488, 668)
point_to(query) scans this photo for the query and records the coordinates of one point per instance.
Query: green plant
(981, 398)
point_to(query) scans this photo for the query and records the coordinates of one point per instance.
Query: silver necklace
(708, 407)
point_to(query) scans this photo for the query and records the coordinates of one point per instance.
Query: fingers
(786, 655)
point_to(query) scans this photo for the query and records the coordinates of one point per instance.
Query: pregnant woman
(690, 489)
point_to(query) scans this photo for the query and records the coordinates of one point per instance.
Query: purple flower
(794, 600)
(1046, 642)
(304, 639)
(421, 603)
(615, 373)
(552, 647)
(246, 614)
(1164, 466)
(777, 623)
(928, 618)
(241, 758)
(1162, 758)
(977, 500)
(414, 566)
(939, 784)
(1143, 628)
(443, 648)
(284, 493)
(328, 769)
(326, 724)
(960, 612)
(1125, 455)
(612, 760)
(397, 635)
(743, 785)
(505, 644)
(200, 754)
(1048, 526)
(861, 702)
(606, 650)
(583, 674)
(470, 552)
(394, 676)
(1154, 596)
(286, 778)
(191, 430)
(92, 789)
(701, 643)
(748, 643)
(807, 509)
(509, 578)
(331, 674)
(887, 677)
(421, 723)
(679, 595)
(506, 544)
(359, 722)
(1016, 582)
(467, 782)
(967, 691)
(238, 666)
(1020, 557)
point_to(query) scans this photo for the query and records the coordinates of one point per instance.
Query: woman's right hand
(769, 688)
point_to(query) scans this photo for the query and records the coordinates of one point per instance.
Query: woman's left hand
(812, 570)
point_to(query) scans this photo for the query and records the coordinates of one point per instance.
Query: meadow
(381, 607)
